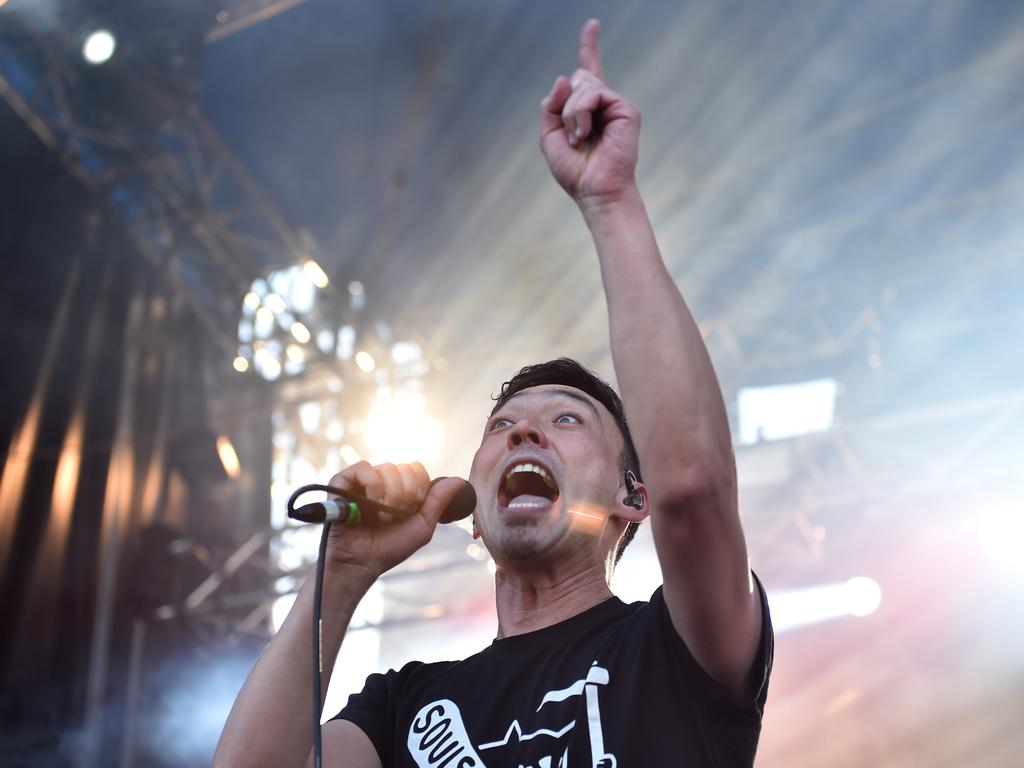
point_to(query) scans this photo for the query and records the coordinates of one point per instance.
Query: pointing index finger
(588, 57)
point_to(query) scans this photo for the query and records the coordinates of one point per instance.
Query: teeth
(524, 505)
(531, 468)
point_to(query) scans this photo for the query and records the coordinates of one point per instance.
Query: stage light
(275, 303)
(309, 416)
(365, 361)
(241, 364)
(325, 341)
(264, 325)
(316, 275)
(99, 46)
(228, 457)
(252, 301)
(357, 296)
(398, 429)
(863, 596)
(301, 332)
(268, 366)
(859, 596)
(788, 410)
(405, 352)
(346, 341)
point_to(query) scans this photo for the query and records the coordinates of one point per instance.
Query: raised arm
(590, 138)
(271, 722)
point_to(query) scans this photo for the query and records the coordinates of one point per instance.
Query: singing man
(574, 677)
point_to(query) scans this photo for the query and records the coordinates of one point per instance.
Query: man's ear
(633, 506)
(476, 531)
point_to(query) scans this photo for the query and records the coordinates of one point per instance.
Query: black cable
(318, 588)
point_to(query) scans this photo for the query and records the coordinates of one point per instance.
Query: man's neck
(528, 602)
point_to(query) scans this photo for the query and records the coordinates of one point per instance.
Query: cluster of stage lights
(274, 339)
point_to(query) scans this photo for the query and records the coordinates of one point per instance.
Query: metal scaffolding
(189, 205)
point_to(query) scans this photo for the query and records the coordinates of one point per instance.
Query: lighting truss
(187, 203)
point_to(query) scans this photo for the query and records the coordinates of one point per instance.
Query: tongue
(527, 499)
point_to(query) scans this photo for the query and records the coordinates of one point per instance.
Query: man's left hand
(590, 135)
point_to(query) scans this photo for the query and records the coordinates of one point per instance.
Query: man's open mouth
(527, 485)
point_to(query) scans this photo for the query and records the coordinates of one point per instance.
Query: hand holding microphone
(398, 511)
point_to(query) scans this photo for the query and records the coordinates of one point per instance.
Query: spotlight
(863, 596)
(859, 596)
(276, 303)
(398, 429)
(228, 457)
(241, 364)
(365, 361)
(99, 46)
(315, 273)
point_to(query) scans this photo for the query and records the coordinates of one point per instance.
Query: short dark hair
(569, 373)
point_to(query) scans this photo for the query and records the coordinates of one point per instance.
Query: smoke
(186, 706)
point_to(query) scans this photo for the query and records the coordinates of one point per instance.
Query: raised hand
(380, 543)
(590, 135)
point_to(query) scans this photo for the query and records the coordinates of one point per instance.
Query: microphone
(352, 508)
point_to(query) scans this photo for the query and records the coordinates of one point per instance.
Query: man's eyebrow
(556, 393)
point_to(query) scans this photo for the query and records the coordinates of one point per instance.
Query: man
(575, 677)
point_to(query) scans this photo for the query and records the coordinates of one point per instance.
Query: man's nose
(525, 432)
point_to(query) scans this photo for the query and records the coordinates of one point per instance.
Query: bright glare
(301, 332)
(863, 596)
(365, 361)
(398, 430)
(859, 596)
(228, 457)
(309, 416)
(1001, 536)
(788, 410)
(99, 46)
(241, 364)
(252, 301)
(405, 352)
(315, 274)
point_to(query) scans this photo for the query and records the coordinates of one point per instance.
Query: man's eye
(574, 419)
(498, 424)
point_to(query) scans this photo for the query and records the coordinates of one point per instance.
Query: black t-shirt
(612, 687)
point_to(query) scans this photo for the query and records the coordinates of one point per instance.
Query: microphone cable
(329, 512)
(353, 514)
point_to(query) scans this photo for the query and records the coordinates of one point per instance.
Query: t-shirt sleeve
(753, 703)
(373, 710)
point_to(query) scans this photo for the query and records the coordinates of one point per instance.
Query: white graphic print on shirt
(438, 736)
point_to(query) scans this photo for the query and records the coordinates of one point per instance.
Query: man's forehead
(547, 391)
